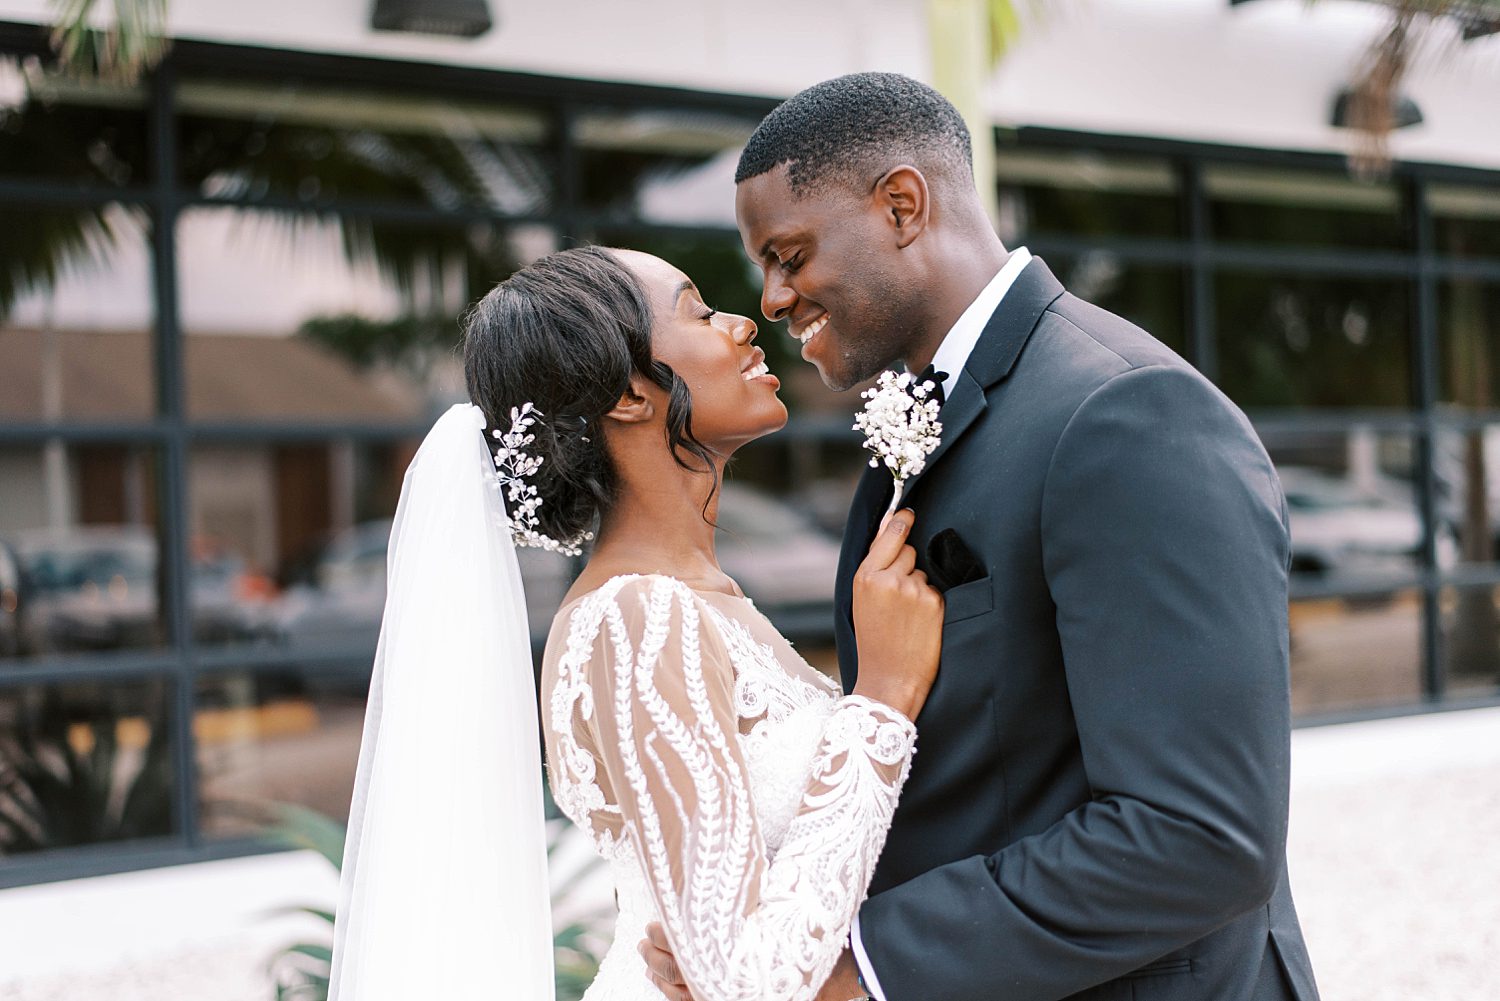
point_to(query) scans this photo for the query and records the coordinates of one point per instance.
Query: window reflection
(84, 762)
(661, 165)
(1356, 652)
(76, 314)
(291, 139)
(1466, 220)
(78, 549)
(1148, 295)
(1352, 508)
(1471, 640)
(1469, 331)
(276, 737)
(1316, 208)
(1085, 192)
(1297, 341)
(57, 127)
(293, 316)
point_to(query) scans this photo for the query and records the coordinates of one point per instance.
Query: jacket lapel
(994, 355)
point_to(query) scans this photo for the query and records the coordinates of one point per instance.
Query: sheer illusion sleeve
(743, 925)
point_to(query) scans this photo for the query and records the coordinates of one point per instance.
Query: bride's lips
(755, 370)
(808, 333)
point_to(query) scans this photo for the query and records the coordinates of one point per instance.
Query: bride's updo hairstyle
(564, 334)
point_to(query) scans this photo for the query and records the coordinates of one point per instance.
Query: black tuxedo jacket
(1098, 804)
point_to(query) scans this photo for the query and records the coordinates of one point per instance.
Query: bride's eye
(710, 314)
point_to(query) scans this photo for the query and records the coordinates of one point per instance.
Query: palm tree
(1375, 89)
(131, 45)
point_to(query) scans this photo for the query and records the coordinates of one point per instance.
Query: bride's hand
(898, 622)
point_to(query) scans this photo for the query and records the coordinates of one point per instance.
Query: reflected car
(96, 588)
(781, 559)
(10, 602)
(86, 588)
(1340, 528)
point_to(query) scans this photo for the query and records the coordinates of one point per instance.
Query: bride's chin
(746, 435)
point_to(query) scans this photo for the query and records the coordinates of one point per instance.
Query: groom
(1099, 806)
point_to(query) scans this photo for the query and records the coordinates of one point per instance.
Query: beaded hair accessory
(513, 465)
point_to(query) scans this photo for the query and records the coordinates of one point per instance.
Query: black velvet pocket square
(950, 561)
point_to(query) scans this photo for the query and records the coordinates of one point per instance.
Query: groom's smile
(832, 268)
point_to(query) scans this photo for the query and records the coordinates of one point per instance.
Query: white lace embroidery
(756, 850)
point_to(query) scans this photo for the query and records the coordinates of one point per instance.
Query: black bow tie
(932, 375)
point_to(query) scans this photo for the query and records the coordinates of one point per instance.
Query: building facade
(230, 305)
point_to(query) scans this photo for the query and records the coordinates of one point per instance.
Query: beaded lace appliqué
(750, 920)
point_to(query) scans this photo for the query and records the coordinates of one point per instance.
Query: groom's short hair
(853, 128)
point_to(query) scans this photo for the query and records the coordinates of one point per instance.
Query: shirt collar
(959, 342)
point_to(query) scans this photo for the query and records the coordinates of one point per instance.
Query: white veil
(444, 891)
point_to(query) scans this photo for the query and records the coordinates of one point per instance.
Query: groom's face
(830, 268)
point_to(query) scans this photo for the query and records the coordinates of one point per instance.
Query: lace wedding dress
(739, 798)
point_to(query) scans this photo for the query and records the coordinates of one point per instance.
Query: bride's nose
(745, 330)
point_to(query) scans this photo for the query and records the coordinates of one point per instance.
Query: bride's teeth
(757, 371)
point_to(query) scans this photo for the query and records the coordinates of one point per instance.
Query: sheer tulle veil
(444, 889)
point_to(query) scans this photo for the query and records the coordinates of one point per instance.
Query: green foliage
(133, 43)
(57, 792)
(301, 972)
(411, 343)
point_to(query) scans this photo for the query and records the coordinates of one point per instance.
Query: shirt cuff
(862, 960)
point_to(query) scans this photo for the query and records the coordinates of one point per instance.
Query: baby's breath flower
(900, 425)
(513, 465)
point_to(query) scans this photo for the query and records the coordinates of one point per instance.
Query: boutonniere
(900, 425)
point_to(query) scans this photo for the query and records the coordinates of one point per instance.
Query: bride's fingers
(887, 544)
(661, 967)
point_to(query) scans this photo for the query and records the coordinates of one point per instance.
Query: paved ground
(1394, 848)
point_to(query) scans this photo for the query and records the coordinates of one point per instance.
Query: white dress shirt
(952, 355)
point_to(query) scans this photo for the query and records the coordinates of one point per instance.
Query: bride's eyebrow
(686, 286)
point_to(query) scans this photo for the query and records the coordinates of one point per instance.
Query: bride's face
(734, 395)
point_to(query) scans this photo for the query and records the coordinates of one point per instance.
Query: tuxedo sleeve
(1165, 551)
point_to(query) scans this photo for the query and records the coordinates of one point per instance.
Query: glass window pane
(294, 317)
(76, 314)
(1469, 339)
(1466, 221)
(667, 165)
(1471, 641)
(1352, 507)
(1148, 295)
(277, 737)
(320, 142)
(56, 127)
(86, 762)
(79, 568)
(1356, 652)
(1295, 341)
(1269, 205)
(1466, 465)
(1085, 193)
(289, 544)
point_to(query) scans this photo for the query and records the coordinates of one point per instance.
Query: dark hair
(564, 334)
(851, 129)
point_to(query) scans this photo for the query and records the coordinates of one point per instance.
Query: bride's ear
(634, 405)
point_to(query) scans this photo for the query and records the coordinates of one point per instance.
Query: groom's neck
(962, 261)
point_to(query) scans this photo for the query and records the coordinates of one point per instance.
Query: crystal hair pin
(513, 466)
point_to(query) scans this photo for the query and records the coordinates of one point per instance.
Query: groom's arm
(1165, 552)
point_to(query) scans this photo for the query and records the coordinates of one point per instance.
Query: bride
(741, 800)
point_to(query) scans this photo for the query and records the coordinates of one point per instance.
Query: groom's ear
(901, 193)
(634, 405)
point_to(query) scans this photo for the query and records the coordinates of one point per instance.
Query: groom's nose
(777, 298)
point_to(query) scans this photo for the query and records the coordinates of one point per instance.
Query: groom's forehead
(769, 210)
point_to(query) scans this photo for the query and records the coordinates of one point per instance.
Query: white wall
(1259, 74)
(773, 47)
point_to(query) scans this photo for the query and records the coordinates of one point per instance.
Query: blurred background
(235, 239)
